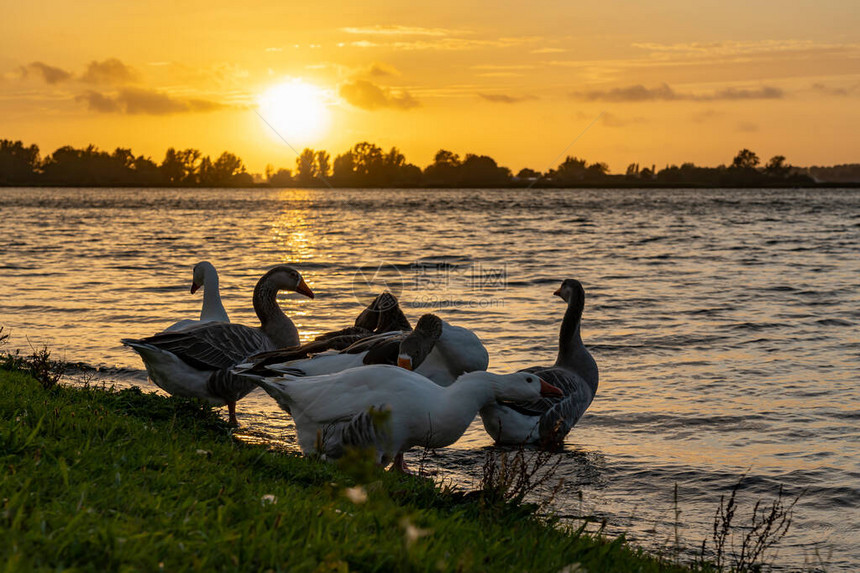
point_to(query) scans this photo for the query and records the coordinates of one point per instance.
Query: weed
(38, 364)
(510, 476)
(744, 548)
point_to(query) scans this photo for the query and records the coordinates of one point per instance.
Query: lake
(724, 322)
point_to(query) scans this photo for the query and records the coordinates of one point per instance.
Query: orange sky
(674, 80)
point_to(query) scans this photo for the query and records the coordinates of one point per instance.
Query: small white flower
(204, 453)
(356, 495)
(269, 498)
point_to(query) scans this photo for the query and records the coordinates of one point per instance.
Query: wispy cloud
(367, 95)
(663, 92)
(400, 31)
(139, 101)
(548, 51)
(52, 75)
(504, 98)
(381, 70)
(828, 90)
(747, 127)
(109, 71)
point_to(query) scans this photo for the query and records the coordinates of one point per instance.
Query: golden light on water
(296, 111)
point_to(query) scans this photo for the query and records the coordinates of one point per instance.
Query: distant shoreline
(617, 185)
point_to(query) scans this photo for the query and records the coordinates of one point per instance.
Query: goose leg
(231, 410)
(399, 464)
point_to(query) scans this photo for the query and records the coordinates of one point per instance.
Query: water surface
(724, 322)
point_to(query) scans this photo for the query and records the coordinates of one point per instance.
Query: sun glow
(297, 111)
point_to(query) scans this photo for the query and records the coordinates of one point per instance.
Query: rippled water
(724, 322)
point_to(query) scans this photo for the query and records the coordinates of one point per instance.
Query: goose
(391, 409)
(407, 349)
(455, 351)
(383, 315)
(204, 275)
(195, 362)
(548, 421)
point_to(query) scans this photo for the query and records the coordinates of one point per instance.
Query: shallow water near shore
(724, 322)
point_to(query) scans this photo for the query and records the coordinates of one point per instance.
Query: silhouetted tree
(323, 164)
(280, 178)
(745, 159)
(18, 164)
(444, 171)
(528, 174)
(482, 171)
(777, 167)
(181, 167)
(306, 167)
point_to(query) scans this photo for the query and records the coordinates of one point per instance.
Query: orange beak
(404, 362)
(194, 287)
(547, 390)
(557, 292)
(304, 289)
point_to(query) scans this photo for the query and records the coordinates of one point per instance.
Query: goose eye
(530, 379)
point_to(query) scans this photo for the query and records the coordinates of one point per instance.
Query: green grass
(96, 480)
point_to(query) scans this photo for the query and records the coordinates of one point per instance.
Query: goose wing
(211, 346)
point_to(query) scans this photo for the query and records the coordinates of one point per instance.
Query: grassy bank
(122, 480)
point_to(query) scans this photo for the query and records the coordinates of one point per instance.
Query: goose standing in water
(548, 421)
(195, 362)
(392, 409)
(204, 275)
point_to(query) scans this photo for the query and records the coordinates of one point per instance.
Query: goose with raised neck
(548, 421)
(196, 361)
(204, 276)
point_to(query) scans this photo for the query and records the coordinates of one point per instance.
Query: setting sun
(295, 110)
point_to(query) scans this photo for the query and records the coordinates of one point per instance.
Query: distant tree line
(368, 165)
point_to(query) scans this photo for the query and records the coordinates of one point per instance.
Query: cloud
(764, 92)
(380, 70)
(503, 98)
(548, 51)
(109, 71)
(139, 101)
(398, 31)
(821, 88)
(640, 93)
(706, 115)
(50, 74)
(367, 95)
(747, 127)
(612, 120)
(630, 94)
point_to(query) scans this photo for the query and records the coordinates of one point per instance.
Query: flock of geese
(379, 383)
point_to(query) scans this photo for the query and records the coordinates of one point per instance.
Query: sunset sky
(669, 81)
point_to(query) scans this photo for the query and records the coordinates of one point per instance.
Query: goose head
(383, 315)
(570, 291)
(522, 387)
(199, 273)
(283, 277)
(415, 347)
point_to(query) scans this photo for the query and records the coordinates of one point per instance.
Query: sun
(295, 110)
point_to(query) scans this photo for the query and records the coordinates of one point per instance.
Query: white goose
(204, 275)
(548, 421)
(391, 409)
(195, 362)
(456, 350)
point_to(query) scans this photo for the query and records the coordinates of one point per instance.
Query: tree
(528, 174)
(18, 164)
(180, 167)
(280, 178)
(745, 159)
(323, 164)
(777, 167)
(306, 167)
